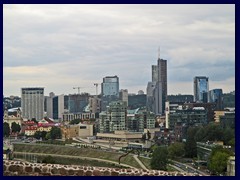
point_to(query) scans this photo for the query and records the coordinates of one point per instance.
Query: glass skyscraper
(215, 96)
(110, 86)
(201, 89)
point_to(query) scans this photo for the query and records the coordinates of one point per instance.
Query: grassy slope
(83, 152)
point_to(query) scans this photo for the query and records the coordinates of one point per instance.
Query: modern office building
(201, 89)
(150, 98)
(216, 96)
(77, 102)
(157, 89)
(32, 102)
(161, 87)
(110, 86)
(55, 106)
(123, 95)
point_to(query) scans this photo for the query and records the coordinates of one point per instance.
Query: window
(83, 127)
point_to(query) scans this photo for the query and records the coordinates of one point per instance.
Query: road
(139, 162)
(188, 168)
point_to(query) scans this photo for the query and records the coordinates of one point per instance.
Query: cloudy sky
(63, 46)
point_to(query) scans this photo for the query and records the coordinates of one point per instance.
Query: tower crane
(78, 89)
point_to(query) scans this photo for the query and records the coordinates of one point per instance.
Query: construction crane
(96, 84)
(78, 89)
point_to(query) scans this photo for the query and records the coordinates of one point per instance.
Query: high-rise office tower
(157, 89)
(32, 103)
(110, 86)
(55, 106)
(215, 96)
(201, 89)
(161, 87)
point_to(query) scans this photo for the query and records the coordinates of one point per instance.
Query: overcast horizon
(59, 47)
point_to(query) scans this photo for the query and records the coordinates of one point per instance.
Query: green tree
(218, 159)
(176, 150)
(75, 121)
(159, 158)
(191, 145)
(144, 137)
(228, 135)
(37, 135)
(55, 133)
(49, 159)
(15, 127)
(218, 162)
(148, 135)
(48, 136)
(6, 129)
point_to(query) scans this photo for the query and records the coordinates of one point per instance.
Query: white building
(32, 103)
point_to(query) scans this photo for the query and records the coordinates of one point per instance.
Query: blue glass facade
(215, 96)
(201, 89)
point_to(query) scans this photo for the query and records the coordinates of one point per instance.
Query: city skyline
(65, 46)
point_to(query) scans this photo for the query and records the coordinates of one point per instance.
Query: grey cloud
(87, 42)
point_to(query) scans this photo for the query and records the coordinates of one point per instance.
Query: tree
(191, 145)
(15, 127)
(75, 121)
(176, 150)
(49, 160)
(6, 129)
(159, 158)
(148, 135)
(228, 135)
(218, 160)
(55, 133)
(144, 137)
(37, 135)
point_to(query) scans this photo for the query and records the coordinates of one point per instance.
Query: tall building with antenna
(157, 93)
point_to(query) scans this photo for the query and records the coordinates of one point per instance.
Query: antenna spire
(158, 52)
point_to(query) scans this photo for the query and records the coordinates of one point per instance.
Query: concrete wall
(18, 168)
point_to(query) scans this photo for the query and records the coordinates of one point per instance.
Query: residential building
(201, 89)
(123, 95)
(114, 118)
(209, 107)
(217, 115)
(32, 103)
(191, 117)
(82, 116)
(138, 120)
(228, 120)
(94, 104)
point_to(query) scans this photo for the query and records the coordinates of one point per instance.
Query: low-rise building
(14, 117)
(121, 136)
(77, 130)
